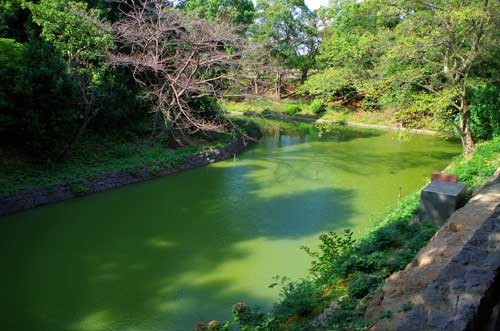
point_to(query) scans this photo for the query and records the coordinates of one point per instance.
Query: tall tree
(83, 39)
(235, 11)
(288, 28)
(435, 54)
(420, 58)
(177, 61)
(355, 36)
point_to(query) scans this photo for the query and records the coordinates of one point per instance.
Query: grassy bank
(99, 154)
(314, 109)
(346, 271)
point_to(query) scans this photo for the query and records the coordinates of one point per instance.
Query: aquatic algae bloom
(213, 326)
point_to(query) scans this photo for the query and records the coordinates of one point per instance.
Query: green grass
(268, 125)
(332, 112)
(94, 156)
(261, 105)
(483, 163)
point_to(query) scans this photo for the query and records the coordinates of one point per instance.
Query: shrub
(485, 111)
(318, 106)
(154, 170)
(297, 299)
(483, 163)
(334, 251)
(291, 110)
(361, 284)
(267, 111)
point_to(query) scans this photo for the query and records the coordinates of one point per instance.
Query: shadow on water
(162, 255)
(110, 259)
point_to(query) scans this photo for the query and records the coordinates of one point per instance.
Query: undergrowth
(98, 155)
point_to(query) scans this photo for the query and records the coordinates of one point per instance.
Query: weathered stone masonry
(466, 289)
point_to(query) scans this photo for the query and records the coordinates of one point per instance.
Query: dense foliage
(429, 64)
(434, 63)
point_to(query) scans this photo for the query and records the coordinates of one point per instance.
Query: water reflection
(165, 254)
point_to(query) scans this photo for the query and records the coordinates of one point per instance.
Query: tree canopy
(432, 64)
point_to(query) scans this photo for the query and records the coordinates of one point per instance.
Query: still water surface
(162, 255)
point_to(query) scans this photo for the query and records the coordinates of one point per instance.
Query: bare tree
(177, 61)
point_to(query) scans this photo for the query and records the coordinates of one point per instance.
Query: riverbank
(452, 277)
(345, 273)
(29, 186)
(309, 120)
(291, 110)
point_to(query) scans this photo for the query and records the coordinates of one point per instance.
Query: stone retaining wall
(469, 230)
(39, 196)
(464, 293)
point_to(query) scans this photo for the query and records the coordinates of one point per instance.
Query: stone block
(441, 199)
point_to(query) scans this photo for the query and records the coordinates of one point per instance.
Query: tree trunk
(278, 85)
(304, 75)
(68, 151)
(155, 121)
(256, 85)
(465, 133)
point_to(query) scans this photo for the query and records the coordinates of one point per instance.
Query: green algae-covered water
(165, 254)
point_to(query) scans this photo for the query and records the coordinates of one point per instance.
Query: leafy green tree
(354, 38)
(11, 55)
(235, 11)
(435, 56)
(83, 39)
(420, 58)
(288, 28)
(15, 21)
(37, 97)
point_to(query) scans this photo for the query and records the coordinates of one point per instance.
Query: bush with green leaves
(37, 100)
(297, 299)
(335, 249)
(292, 109)
(318, 106)
(485, 111)
(483, 163)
